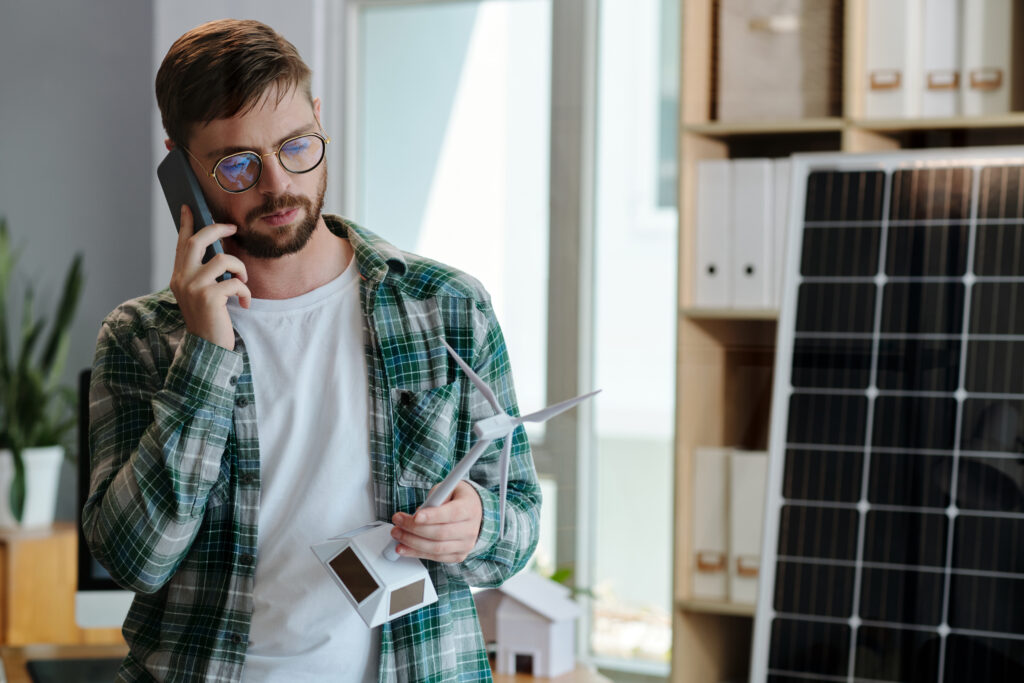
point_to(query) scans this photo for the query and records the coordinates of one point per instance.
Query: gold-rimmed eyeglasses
(241, 171)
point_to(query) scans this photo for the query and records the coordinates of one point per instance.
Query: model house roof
(544, 596)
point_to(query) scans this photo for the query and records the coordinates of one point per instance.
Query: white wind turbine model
(499, 425)
(381, 584)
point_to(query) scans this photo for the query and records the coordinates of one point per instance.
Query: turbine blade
(445, 488)
(506, 456)
(551, 411)
(475, 379)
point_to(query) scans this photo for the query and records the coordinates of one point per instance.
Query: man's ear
(316, 108)
(168, 144)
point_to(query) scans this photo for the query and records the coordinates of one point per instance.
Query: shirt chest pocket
(425, 433)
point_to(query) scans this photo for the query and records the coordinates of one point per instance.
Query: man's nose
(275, 179)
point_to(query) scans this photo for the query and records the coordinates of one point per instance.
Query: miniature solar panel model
(381, 584)
(894, 531)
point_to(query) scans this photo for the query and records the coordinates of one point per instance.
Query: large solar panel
(894, 534)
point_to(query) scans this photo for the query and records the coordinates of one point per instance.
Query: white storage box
(778, 59)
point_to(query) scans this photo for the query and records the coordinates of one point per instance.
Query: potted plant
(37, 412)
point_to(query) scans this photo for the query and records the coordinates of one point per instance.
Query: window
(451, 150)
(634, 336)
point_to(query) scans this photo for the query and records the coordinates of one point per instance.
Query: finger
(436, 532)
(452, 512)
(184, 233)
(220, 264)
(234, 287)
(198, 242)
(432, 550)
(184, 224)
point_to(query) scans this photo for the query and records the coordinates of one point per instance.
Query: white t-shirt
(309, 376)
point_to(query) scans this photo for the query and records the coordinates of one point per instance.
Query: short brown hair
(221, 69)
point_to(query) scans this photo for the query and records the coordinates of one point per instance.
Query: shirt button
(233, 380)
(242, 402)
(247, 559)
(236, 638)
(248, 479)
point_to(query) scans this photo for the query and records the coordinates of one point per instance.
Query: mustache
(276, 204)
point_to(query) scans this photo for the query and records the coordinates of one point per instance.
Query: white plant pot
(42, 476)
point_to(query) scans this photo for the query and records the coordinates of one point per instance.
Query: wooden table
(582, 674)
(14, 659)
(38, 575)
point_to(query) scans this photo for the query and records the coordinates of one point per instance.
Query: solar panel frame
(941, 453)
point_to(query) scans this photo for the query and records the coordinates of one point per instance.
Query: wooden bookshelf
(725, 357)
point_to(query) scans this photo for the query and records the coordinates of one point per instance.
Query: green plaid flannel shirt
(175, 486)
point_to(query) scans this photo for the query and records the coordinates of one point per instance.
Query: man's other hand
(446, 533)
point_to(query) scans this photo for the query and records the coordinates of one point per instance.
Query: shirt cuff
(489, 520)
(204, 372)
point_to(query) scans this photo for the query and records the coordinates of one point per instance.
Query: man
(234, 423)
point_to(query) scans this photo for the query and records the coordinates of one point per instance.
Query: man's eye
(298, 146)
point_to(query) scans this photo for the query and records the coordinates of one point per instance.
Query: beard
(285, 239)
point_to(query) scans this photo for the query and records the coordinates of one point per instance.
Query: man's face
(278, 215)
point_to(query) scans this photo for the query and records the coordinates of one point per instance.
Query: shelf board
(724, 129)
(1009, 120)
(730, 313)
(729, 128)
(717, 607)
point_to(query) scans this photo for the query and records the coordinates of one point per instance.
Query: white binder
(713, 286)
(753, 273)
(893, 56)
(710, 514)
(780, 232)
(748, 474)
(987, 50)
(940, 86)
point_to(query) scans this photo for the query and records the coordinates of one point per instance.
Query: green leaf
(57, 344)
(562, 575)
(18, 485)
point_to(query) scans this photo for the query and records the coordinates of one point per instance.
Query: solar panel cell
(822, 475)
(927, 250)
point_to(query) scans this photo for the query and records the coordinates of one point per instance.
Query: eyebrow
(222, 152)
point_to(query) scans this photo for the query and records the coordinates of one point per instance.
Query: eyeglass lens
(241, 171)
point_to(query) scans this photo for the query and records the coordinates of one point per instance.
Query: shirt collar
(375, 257)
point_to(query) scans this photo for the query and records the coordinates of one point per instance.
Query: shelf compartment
(722, 607)
(732, 128)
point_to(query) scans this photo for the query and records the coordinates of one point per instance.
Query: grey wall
(75, 154)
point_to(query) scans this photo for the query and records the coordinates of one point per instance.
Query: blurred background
(531, 143)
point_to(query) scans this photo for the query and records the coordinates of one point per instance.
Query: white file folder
(748, 474)
(893, 56)
(710, 524)
(713, 286)
(987, 50)
(753, 200)
(780, 230)
(940, 86)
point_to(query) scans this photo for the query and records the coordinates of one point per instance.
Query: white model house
(532, 621)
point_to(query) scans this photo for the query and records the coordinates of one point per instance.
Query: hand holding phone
(201, 289)
(181, 186)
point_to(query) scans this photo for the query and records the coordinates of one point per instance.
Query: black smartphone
(181, 186)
